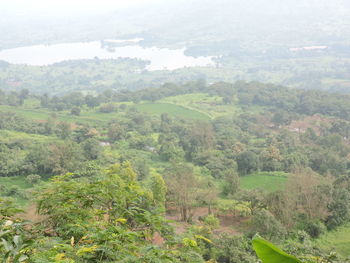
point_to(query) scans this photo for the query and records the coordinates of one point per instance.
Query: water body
(160, 58)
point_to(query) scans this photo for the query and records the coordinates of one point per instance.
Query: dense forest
(181, 173)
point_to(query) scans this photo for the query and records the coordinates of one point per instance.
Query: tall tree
(182, 188)
(159, 190)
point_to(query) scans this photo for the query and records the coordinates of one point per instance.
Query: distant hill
(259, 23)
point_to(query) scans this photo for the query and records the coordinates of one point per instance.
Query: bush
(315, 229)
(123, 106)
(233, 249)
(107, 108)
(13, 191)
(33, 179)
(75, 111)
(264, 223)
(211, 221)
(3, 190)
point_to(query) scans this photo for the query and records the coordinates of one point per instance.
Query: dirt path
(30, 214)
(229, 224)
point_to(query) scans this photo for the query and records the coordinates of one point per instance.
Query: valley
(178, 131)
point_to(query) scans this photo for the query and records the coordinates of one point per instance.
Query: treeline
(307, 102)
(294, 100)
(13, 98)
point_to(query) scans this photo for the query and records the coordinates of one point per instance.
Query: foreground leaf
(269, 253)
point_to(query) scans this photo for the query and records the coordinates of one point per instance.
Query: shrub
(315, 229)
(75, 111)
(33, 179)
(13, 191)
(3, 190)
(211, 221)
(264, 223)
(108, 108)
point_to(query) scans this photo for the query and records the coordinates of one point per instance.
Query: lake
(160, 58)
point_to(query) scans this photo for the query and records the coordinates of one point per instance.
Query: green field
(86, 116)
(17, 181)
(198, 106)
(10, 136)
(204, 103)
(268, 183)
(171, 109)
(338, 240)
(27, 112)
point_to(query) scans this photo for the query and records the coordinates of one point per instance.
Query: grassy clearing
(31, 103)
(87, 116)
(171, 109)
(10, 136)
(28, 113)
(17, 181)
(267, 182)
(338, 240)
(204, 103)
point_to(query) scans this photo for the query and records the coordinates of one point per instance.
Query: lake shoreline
(160, 58)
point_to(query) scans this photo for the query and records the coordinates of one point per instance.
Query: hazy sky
(67, 6)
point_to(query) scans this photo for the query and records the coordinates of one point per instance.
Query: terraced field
(172, 109)
(86, 116)
(204, 103)
(8, 136)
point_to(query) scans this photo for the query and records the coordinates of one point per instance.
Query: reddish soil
(229, 224)
(157, 239)
(30, 214)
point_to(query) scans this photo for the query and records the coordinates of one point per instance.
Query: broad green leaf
(7, 245)
(17, 240)
(269, 253)
(22, 258)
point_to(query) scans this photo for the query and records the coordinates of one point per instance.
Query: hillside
(177, 131)
(220, 161)
(189, 17)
